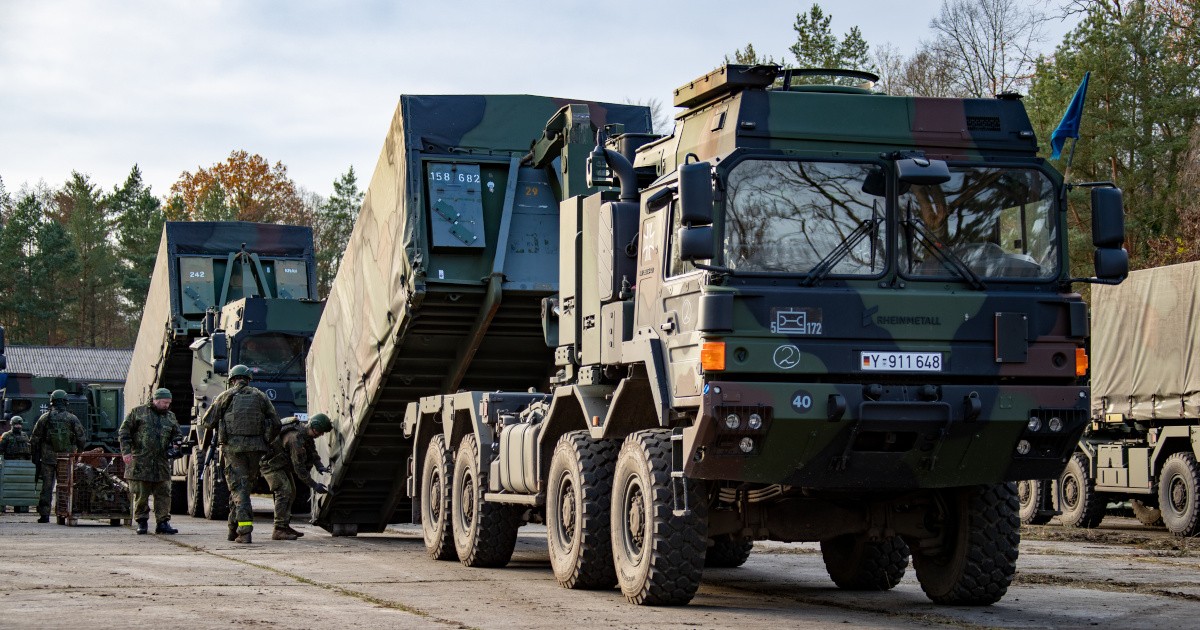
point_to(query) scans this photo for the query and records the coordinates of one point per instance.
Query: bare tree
(990, 44)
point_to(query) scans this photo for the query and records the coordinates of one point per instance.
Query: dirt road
(95, 575)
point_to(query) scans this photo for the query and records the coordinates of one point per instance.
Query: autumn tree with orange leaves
(245, 187)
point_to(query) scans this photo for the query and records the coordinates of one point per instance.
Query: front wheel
(658, 552)
(1031, 494)
(216, 492)
(435, 501)
(578, 499)
(1178, 484)
(195, 489)
(485, 534)
(1081, 505)
(857, 563)
(977, 558)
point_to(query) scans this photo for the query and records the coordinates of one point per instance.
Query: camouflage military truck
(812, 313)
(99, 407)
(224, 293)
(1143, 442)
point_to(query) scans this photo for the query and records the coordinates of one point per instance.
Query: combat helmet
(320, 423)
(57, 395)
(16, 421)
(239, 371)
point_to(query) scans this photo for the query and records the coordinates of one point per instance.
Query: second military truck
(812, 313)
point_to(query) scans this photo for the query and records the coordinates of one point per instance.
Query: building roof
(86, 365)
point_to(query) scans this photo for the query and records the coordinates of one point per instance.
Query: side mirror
(220, 346)
(1112, 263)
(1108, 218)
(922, 172)
(696, 242)
(695, 194)
(221, 366)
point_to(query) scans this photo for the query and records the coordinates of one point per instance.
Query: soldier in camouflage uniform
(294, 450)
(246, 422)
(145, 436)
(14, 444)
(57, 431)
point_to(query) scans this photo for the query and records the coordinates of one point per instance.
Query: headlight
(1035, 424)
(1023, 447)
(746, 445)
(1055, 424)
(732, 421)
(755, 421)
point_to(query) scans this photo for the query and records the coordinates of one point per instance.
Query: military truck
(224, 293)
(812, 313)
(98, 406)
(1143, 442)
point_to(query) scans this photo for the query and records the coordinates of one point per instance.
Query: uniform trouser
(241, 473)
(284, 489)
(49, 477)
(142, 491)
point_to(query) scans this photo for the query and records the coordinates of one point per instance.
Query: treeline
(75, 261)
(1139, 125)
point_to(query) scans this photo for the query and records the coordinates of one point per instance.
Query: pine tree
(84, 217)
(18, 293)
(334, 221)
(139, 219)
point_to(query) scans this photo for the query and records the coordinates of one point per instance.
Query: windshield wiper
(826, 265)
(945, 255)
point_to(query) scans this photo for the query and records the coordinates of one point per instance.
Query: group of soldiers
(253, 439)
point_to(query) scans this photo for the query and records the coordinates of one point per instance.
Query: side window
(676, 266)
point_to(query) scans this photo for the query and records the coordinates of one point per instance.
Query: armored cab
(442, 282)
(224, 292)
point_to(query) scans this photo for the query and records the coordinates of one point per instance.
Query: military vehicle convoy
(812, 313)
(1143, 442)
(224, 293)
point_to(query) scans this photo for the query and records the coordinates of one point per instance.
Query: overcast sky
(176, 85)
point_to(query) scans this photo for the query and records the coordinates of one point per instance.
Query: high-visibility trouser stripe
(244, 523)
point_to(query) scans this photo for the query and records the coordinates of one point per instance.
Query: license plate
(303, 417)
(902, 361)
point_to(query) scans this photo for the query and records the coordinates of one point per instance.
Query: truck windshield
(792, 216)
(999, 222)
(274, 355)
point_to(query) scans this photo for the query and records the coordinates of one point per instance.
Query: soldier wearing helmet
(145, 436)
(246, 423)
(14, 444)
(293, 451)
(57, 431)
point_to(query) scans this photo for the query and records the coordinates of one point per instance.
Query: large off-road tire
(435, 501)
(1145, 514)
(1081, 505)
(215, 492)
(578, 499)
(978, 558)
(1031, 494)
(1178, 487)
(728, 551)
(195, 489)
(856, 563)
(485, 533)
(658, 554)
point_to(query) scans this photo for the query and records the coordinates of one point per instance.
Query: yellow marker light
(712, 356)
(1081, 362)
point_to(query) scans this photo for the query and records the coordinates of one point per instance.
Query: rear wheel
(728, 551)
(976, 561)
(435, 501)
(578, 499)
(1081, 505)
(195, 489)
(856, 563)
(1146, 514)
(1032, 495)
(485, 533)
(216, 492)
(658, 552)
(1178, 484)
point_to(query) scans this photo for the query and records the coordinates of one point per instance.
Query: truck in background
(1143, 442)
(99, 406)
(812, 313)
(224, 293)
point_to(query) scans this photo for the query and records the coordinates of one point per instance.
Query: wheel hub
(635, 519)
(468, 503)
(1071, 491)
(1178, 494)
(567, 513)
(435, 498)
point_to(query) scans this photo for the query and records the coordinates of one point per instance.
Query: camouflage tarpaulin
(1144, 342)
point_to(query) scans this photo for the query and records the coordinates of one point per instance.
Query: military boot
(143, 524)
(282, 534)
(293, 532)
(232, 532)
(164, 527)
(45, 518)
(242, 539)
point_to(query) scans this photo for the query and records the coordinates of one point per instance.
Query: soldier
(145, 436)
(57, 431)
(294, 450)
(246, 423)
(14, 444)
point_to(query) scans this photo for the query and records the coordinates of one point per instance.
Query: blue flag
(1068, 127)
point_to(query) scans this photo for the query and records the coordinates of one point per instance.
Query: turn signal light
(712, 356)
(1081, 362)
